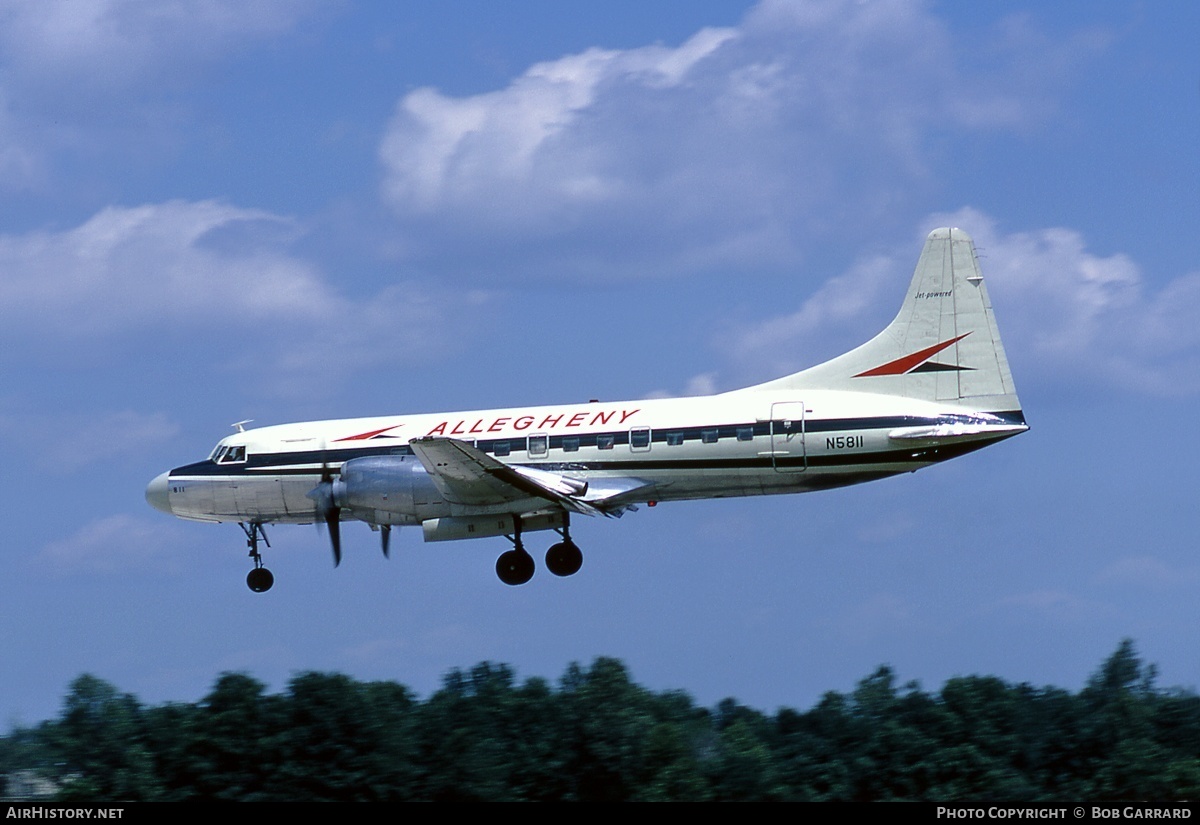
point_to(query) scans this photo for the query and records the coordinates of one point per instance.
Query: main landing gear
(260, 578)
(516, 566)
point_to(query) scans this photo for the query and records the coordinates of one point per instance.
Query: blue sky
(292, 210)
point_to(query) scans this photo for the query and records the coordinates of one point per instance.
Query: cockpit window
(230, 455)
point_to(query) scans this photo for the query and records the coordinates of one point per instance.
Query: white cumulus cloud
(724, 150)
(223, 274)
(151, 265)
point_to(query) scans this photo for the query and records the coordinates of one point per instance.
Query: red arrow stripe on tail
(903, 365)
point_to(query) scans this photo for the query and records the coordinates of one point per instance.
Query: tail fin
(943, 345)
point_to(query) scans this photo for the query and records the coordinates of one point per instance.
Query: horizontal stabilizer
(954, 433)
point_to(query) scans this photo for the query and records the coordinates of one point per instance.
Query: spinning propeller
(328, 496)
(325, 496)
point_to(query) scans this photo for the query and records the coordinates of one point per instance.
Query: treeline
(598, 736)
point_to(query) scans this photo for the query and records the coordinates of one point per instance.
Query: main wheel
(260, 580)
(514, 567)
(564, 559)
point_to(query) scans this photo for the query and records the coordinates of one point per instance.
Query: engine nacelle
(478, 527)
(395, 484)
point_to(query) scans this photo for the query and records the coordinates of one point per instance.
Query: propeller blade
(385, 538)
(327, 509)
(333, 520)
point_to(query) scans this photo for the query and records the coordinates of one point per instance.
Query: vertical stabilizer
(943, 345)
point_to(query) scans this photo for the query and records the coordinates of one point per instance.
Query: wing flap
(465, 474)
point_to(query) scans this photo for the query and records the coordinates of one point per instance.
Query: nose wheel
(260, 578)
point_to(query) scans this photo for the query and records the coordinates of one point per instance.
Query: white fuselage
(740, 443)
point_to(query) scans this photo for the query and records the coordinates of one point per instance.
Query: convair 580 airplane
(934, 385)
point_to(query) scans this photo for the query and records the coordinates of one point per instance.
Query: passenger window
(708, 436)
(674, 439)
(539, 445)
(745, 433)
(570, 444)
(501, 448)
(605, 442)
(639, 438)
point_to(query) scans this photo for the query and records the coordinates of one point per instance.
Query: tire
(515, 567)
(564, 559)
(260, 580)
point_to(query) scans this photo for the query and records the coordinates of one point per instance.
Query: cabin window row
(639, 439)
(539, 445)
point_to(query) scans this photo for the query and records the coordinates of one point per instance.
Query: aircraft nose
(157, 494)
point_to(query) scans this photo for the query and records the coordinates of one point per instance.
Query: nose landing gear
(260, 578)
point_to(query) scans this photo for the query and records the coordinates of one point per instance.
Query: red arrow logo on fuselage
(372, 434)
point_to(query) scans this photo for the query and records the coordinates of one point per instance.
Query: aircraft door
(787, 437)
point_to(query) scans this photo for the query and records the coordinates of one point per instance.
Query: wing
(467, 475)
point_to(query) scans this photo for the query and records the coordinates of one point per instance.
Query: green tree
(101, 743)
(607, 722)
(343, 740)
(600, 736)
(468, 736)
(235, 752)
